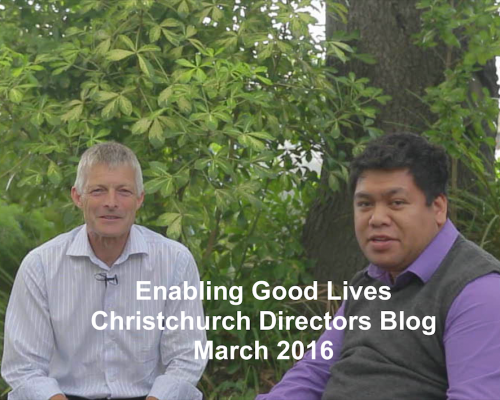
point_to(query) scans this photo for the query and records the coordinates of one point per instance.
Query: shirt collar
(80, 247)
(426, 263)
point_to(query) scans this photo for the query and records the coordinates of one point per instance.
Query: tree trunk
(403, 70)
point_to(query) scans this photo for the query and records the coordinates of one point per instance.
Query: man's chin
(386, 263)
(109, 233)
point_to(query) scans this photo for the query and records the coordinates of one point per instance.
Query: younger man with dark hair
(400, 218)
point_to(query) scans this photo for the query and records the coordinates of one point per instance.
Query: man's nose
(380, 216)
(111, 200)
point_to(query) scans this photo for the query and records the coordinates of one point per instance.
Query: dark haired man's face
(392, 221)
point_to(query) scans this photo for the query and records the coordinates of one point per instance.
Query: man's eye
(398, 202)
(96, 191)
(125, 192)
(362, 204)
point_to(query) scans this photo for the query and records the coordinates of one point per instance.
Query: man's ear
(76, 197)
(440, 207)
(140, 199)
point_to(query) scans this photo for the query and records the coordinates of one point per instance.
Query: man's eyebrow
(398, 190)
(362, 195)
(390, 192)
(121, 185)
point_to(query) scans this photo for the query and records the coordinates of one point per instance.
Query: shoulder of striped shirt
(151, 237)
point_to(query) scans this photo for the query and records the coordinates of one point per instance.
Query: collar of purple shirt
(426, 263)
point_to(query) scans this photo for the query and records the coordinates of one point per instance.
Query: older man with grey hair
(73, 328)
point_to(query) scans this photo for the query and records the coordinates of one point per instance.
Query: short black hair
(427, 163)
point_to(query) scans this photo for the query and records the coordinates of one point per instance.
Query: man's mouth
(110, 217)
(381, 241)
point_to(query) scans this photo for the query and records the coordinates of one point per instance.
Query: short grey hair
(111, 154)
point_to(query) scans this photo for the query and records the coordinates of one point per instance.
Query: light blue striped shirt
(51, 346)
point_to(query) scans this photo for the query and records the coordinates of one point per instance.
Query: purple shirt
(471, 335)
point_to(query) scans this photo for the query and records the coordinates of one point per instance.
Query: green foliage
(19, 233)
(471, 31)
(220, 101)
(465, 110)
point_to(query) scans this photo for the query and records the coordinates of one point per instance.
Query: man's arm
(472, 341)
(183, 371)
(307, 379)
(29, 338)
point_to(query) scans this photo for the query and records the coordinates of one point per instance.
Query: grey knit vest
(380, 364)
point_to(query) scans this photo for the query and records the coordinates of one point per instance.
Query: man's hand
(151, 398)
(58, 396)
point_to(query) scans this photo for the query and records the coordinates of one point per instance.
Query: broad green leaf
(253, 143)
(167, 219)
(224, 116)
(74, 103)
(167, 188)
(369, 111)
(225, 166)
(183, 7)
(202, 163)
(223, 198)
(158, 168)
(157, 113)
(182, 178)
(118, 54)
(141, 126)
(164, 96)
(200, 75)
(174, 230)
(149, 47)
(73, 114)
(143, 65)
(186, 76)
(248, 187)
(261, 135)
(126, 40)
(170, 23)
(154, 185)
(171, 37)
(16, 96)
(154, 33)
(110, 109)
(333, 182)
(72, 31)
(36, 68)
(343, 46)
(366, 58)
(199, 45)
(37, 119)
(156, 134)
(184, 105)
(16, 72)
(103, 47)
(265, 80)
(253, 200)
(104, 96)
(125, 105)
(185, 63)
(190, 31)
(54, 174)
(266, 51)
(169, 122)
(102, 133)
(337, 52)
